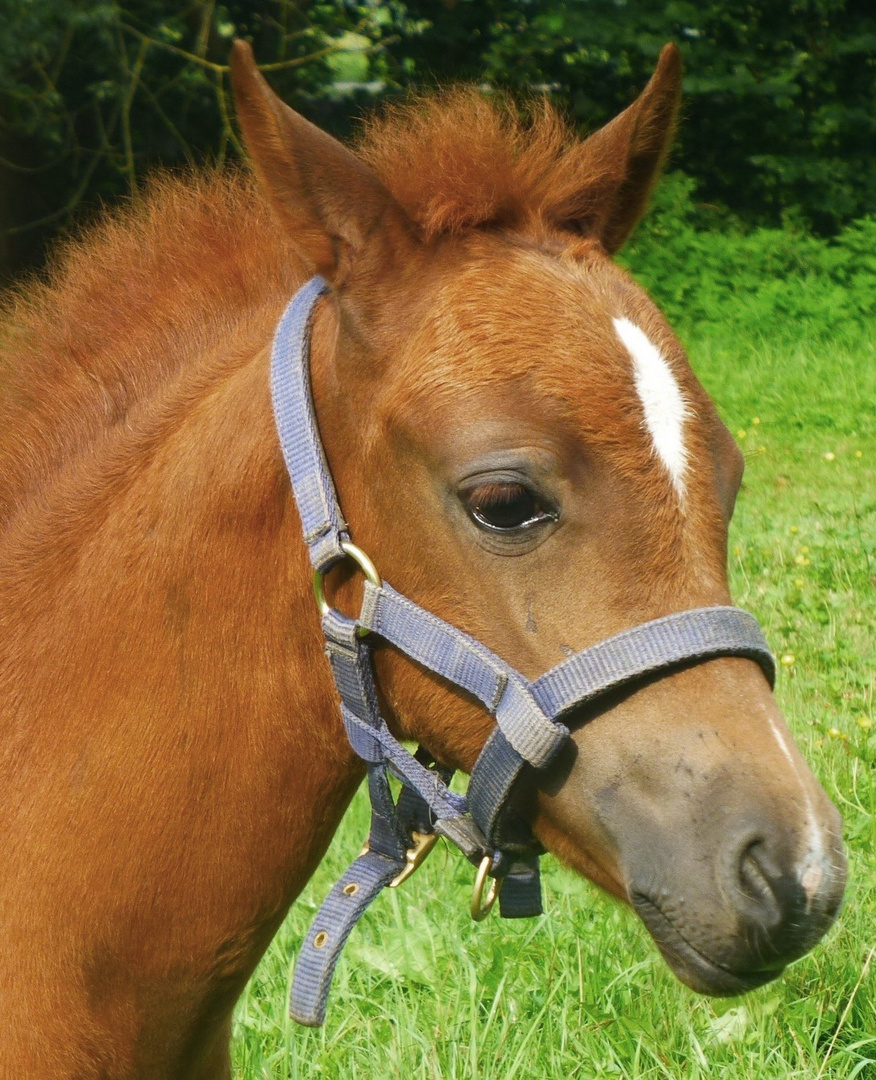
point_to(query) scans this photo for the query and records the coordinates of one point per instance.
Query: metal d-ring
(481, 907)
(365, 565)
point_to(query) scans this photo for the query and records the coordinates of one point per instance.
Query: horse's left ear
(334, 207)
(601, 188)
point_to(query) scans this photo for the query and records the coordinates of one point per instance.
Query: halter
(529, 730)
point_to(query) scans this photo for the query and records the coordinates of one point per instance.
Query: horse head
(520, 444)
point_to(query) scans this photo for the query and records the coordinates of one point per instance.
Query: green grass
(581, 992)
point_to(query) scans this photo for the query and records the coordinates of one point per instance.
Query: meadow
(780, 329)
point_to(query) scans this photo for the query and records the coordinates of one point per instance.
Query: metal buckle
(415, 856)
(480, 908)
(365, 565)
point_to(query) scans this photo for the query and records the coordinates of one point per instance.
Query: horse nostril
(752, 876)
(759, 881)
(784, 903)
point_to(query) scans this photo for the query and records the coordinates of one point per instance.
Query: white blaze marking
(664, 406)
(813, 870)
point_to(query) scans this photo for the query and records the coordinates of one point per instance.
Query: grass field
(421, 991)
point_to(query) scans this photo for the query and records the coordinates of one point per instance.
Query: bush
(779, 283)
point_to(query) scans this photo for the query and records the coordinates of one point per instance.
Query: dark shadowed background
(779, 124)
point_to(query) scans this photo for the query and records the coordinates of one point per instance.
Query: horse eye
(506, 506)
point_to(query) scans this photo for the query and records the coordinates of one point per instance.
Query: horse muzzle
(709, 821)
(767, 910)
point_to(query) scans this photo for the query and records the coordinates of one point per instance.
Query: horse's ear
(601, 188)
(331, 203)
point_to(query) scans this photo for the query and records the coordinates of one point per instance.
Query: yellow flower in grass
(741, 433)
(829, 456)
(835, 733)
(788, 659)
(865, 723)
(859, 453)
(755, 421)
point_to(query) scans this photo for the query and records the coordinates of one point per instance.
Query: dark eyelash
(496, 493)
(506, 506)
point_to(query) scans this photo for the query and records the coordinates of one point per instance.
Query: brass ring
(365, 565)
(480, 907)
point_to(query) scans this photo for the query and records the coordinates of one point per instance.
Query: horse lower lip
(696, 970)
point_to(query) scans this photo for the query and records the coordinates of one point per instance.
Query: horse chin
(689, 964)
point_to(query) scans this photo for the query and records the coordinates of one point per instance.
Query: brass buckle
(480, 907)
(415, 856)
(365, 565)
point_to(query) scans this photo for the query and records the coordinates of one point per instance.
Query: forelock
(458, 159)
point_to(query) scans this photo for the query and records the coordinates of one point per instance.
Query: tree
(780, 98)
(94, 93)
(779, 121)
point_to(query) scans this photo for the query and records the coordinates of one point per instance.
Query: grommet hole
(351, 889)
(320, 939)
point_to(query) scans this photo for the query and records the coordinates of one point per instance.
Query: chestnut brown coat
(172, 761)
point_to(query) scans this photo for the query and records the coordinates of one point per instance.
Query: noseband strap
(529, 730)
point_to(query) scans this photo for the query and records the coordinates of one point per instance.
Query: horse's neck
(175, 701)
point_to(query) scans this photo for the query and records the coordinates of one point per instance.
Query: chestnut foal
(518, 441)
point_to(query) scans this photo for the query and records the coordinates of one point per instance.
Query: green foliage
(775, 283)
(780, 98)
(780, 113)
(93, 93)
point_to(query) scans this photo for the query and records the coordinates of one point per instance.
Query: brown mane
(134, 300)
(125, 308)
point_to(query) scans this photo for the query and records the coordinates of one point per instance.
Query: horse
(518, 441)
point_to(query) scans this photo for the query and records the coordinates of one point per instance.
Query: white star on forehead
(662, 401)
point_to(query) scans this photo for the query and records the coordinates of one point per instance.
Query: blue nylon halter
(528, 731)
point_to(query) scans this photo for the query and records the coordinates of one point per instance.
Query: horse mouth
(692, 967)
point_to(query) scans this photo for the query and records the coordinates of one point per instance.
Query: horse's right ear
(331, 203)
